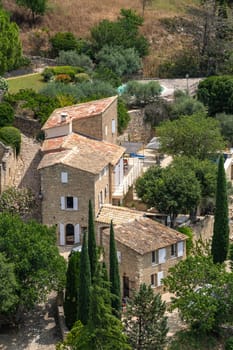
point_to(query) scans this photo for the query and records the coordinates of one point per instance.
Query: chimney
(64, 116)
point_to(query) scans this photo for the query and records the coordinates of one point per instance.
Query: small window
(173, 250)
(153, 280)
(180, 249)
(162, 255)
(113, 126)
(64, 177)
(154, 257)
(69, 203)
(119, 256)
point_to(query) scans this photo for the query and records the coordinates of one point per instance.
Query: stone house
(146, 250)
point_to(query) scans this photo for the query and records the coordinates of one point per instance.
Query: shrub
(63, 78)
(11, 136)
(74, 59)
(81, 77)
(106, 74)
(47, 74)
(3, 84)
(6, 114)
(229, 344)
(140, 94)
(123, 117)
(65, 41)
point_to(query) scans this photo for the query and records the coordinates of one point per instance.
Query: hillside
(79, 16)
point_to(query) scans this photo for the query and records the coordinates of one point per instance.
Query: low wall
(61, 317)
(29, 127)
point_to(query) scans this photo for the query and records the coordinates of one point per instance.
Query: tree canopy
(195, 136)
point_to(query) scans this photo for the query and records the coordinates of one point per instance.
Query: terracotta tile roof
(79, 111)
(80, 152)
(118, 214)
(144, 235)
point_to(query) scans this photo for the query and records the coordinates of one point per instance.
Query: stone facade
(8, 163)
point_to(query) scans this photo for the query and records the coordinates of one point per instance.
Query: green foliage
(50, 72)
(220, 240)
(140, 94)
(189, 241)
(170, 190)
(194, 136)
(118, 59)
(123, 117)
(92, 251)
(6, 114)
(156, 112)
(10, 45)
(114, 276)
(71, 292)
(229, 344)
(188, 340)
(216, 94)
(37, 7)
(230, 254)
(38, 267)
(20, 201)
(107, 75)
(226, 125)
(185, 104)
(3, 84)
(124, 32)
(74, 59)
(145, 321)
(63, 78)
(81, 77)
(11, 136)
(202, 292)
(63, 41)
(84, 284)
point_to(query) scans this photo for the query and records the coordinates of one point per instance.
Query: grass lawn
(29, 81)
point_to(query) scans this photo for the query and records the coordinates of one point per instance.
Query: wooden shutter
(162, 255)
(159, 278)
(62, 234)
(75, 201)
(63, 203)
(180, 248)
(77, 233)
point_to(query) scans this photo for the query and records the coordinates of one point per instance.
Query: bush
(3, 84)
(74, 59)
(6, 114)
(123, 117)
(63, 78)
(229, 344)
(81, 77)
(47, 74)
(63, 41)
(141, 94)
(106, 74)
(11, 136)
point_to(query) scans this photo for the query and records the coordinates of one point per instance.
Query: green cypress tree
(84, 284)
(220, 240)
(91, 241)
(114, 277)
(71, 292)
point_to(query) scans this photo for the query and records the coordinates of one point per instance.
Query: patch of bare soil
(37, 331)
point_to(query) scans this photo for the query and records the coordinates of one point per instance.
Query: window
(69, 203)
(159, 278)
(119, 256)
(153, 280)
(173, 250)
(154, 257)
(180, 249)
(64, 177)
(162, 255)
(113, 126)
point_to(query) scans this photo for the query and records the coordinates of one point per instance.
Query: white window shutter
(62, 234)
(64, 177)
(119, 256)
(162, 255)
(75, 203)
(63, 203)
(113, 126)
(77, 233)
(159, 277)
(180, 249)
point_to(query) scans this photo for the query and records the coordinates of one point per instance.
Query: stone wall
(137, 130)
(29, 127)
(203, 228)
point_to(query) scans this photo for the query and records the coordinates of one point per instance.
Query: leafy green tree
(8, 286)
(123, 117)
(170, 190)
(6, 114)
(216, 94)
(194, 136)
(226, 125)
(92, 250)
(140, 94)
(157, 112)
(11, 136)
(71, 292)
(36, 7)
(114, 278)
(38, 266)
(202, 292)
(73, 58)
(84, 284)
(10, 45)
(220, 240)
(20, 201)
(189, 241)
(120, 60)
(124, 32)
(184, 104)
(63, 41)
(145, 321)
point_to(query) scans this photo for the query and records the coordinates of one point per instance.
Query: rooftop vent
(63, 116)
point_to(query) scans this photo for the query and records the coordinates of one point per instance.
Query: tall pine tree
(91, 241)
(84, 284)
(71, 293)
(114, 277)
(145, 322)
(220, 240)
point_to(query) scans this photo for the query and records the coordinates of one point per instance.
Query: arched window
(69, 234)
